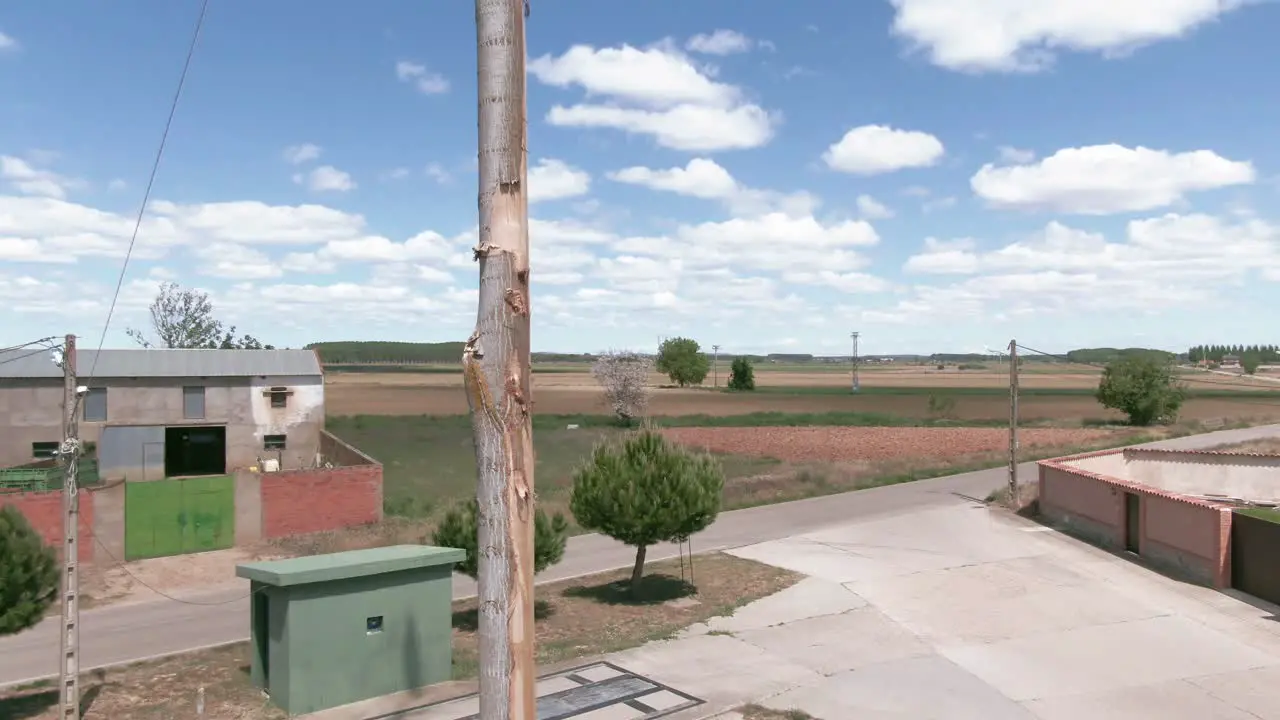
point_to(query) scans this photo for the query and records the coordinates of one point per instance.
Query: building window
(279, 397)
(95, 405)
(193, 402)
(273, 442)
(43, 450)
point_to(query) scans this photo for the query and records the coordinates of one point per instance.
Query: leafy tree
(683, 361)
(1250, 361)
(28, 573)
(460, 529)
(645, 490)
(741, 375)
(1144, 389)
(184, 319)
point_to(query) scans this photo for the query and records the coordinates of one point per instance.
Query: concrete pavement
(959, 612)
(138, 631)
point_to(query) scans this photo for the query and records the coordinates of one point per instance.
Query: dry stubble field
(900, 392)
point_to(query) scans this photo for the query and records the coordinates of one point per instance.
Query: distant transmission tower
(856, 385)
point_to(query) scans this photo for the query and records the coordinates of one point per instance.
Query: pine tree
(459, 529)
(644, 490)
(28, 573)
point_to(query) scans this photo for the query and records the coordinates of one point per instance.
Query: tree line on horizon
(1216, 353)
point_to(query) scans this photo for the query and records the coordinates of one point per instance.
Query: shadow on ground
(37, 701)
(469, 620)
(653, 590)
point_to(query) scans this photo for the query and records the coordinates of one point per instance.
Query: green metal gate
(172, 517)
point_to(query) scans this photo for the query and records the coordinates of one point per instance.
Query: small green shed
(328, 630)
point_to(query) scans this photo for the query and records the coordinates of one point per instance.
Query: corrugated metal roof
(37, 363)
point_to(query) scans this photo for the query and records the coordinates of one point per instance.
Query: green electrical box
(328, 630)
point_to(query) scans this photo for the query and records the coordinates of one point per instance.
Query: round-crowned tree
(683, 361)
(741, 375)
(460, 529)
(1143, 388)
(644, 490)
(28, 573)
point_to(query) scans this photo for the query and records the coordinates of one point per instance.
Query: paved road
(130, 632)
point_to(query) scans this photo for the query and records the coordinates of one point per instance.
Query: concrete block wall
(44, 512)
(1185, 536)
(306, 501)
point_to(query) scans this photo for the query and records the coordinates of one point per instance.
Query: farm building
(164, 413)
(186, 450)
(1203, 515)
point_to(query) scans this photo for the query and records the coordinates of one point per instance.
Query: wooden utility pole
(496, 369)
(69, 457)
(1013, 424)
(715, 366)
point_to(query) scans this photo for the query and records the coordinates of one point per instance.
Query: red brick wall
(44, 511)
(1182, 534)
(305, 501)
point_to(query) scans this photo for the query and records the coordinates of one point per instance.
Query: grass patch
(1269, 514)
(578, 618)
(760, 712)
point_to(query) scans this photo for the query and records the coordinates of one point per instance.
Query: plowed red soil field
(870, 444)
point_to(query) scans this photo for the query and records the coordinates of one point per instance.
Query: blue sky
(940, 175)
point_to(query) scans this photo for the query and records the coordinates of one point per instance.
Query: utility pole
(715, 366)
(496, 369)
(854, 360)
(1013, 424)
(68, 457)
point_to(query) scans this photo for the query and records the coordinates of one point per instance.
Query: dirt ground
(873, 444)
(577, 618)
(142, 580)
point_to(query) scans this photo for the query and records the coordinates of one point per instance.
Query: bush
(741, 375)
(1250, 362)
(29, 573)
(942, 406)
(644, 490)
(683, 361)
(1144, 389)
(460, 529)
(972, 366)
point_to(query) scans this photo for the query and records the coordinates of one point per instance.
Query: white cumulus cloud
(1011, 36)
(872, 209)
(426, 81)
(720, 42)
(1105, 179)
(299, 154)
(874, 149)
(655, 91)
(553, 179)
(326, 178)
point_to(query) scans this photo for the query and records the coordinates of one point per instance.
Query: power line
(155, 168)
(24, 355)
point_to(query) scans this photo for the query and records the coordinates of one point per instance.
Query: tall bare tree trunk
(496, 366)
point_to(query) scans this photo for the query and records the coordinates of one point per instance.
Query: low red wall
(1188, 536)
(306, 501)
(44, 511)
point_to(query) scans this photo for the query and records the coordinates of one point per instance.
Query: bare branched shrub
(624, 376)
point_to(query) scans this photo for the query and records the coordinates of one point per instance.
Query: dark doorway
(195, 451)
(262, 637)
(1132, 522)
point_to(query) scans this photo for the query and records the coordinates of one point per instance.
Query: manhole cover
(599, 691)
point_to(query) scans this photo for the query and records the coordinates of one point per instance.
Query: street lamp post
(854, 335)
(715, 366)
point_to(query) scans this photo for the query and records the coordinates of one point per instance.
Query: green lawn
(429, 461)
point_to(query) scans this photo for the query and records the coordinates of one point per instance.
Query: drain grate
(598, 691)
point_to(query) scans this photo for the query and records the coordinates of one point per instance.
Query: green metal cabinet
(329, 630)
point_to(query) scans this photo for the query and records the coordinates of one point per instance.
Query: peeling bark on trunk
(496, 369)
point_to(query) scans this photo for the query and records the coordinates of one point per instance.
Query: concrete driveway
(966, 613)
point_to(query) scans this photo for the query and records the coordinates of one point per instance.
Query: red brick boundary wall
(1183, 535)
(306, 501)
(44, 511)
